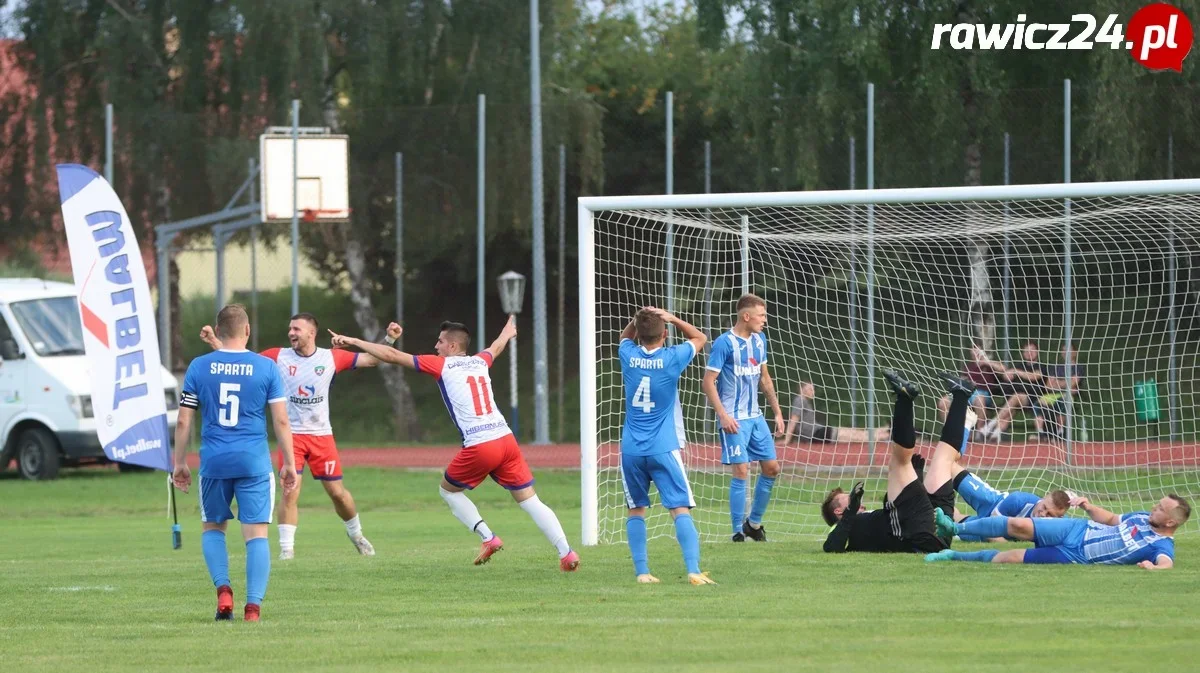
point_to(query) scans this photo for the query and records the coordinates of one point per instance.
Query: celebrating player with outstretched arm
(231, 387)
(308, 373)
(489, 447)
(653, 435)
(737, 368)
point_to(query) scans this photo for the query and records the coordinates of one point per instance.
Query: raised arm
(690, 332)
(380, 352)
(630, 330)
(209, 336)
(506, 335)
(1097, 514)
(367, 360)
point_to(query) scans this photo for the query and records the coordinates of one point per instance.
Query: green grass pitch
(90, 583)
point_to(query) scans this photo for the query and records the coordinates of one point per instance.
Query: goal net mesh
(932, 280)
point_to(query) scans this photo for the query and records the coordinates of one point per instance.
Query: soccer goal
(860, 281)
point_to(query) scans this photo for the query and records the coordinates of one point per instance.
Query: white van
(46, 418)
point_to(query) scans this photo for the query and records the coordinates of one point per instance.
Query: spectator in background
(1024, 383)
(803, 424)
(986, 374)
(1052, 405)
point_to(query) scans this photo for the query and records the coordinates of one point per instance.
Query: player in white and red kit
(488, 445)
(307, 373)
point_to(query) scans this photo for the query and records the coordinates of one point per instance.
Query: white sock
(990, 428)
(548, 523)
(287, 536)
(353, 527)
(465, 511)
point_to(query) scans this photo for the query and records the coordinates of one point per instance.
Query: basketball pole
(295, 212)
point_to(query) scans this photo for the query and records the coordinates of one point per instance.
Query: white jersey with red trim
(467, 391)
(306, 380)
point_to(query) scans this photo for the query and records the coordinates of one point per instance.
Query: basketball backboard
(322, 175)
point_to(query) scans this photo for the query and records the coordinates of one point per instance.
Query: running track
(1032, 454)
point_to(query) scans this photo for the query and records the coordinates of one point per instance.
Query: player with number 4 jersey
(653, 435)
(308, 373)
(488, 445)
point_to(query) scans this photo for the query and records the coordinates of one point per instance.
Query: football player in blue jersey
(987, 501)
(232, 388)
(653, 435)
(736, 370)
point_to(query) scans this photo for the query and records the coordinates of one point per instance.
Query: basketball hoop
(314, 214)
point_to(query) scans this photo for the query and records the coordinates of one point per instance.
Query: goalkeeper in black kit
(917, 515)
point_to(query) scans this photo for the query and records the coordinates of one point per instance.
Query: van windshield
(51, 325)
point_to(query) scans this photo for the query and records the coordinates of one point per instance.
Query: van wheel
(37, 455)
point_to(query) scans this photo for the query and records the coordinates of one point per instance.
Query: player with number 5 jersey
(488, 445)
(231, 388)
(654, 434)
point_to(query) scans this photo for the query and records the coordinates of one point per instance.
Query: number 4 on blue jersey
(652, 412)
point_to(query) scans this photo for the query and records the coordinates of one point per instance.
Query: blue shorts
(753, 441)
(255, 498)
(667, 473)
(979, 495)
(1064, 536)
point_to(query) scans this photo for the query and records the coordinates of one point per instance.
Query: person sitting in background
(802, 423)
(1024, 383)
(1052, 405)
(985, 373)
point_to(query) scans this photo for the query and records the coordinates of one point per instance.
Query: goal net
(858, 282)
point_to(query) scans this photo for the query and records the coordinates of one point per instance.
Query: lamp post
(512, 295)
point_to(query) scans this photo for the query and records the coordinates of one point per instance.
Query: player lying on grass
(308, 373)
(1145, 539)
(489, 448)
(907, 521)
(987, 501)
(653, 435)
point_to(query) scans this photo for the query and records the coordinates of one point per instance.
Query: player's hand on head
(1079, 501)
(394, 330)
(182, 477)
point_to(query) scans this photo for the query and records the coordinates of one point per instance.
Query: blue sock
(689, 542)
(216, 557)
(737, 503)
(258, 569)
(986, 527)
(635, 531)
(982, 556)
(762, 495)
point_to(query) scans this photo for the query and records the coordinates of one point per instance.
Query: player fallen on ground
(736, 370)
(987, 501)
(1145, 539)
(308, 373)
(231, 387)
(653, 435)
(907, 521)
(489, 448)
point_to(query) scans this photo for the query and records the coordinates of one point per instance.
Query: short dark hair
(232, 317)
(1184, 509)
(748, 301)
(457, 332)
(650, 326)
(1060, 499)
(829, 505)
(306, 316)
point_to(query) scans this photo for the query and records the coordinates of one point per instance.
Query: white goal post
(862, 280)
